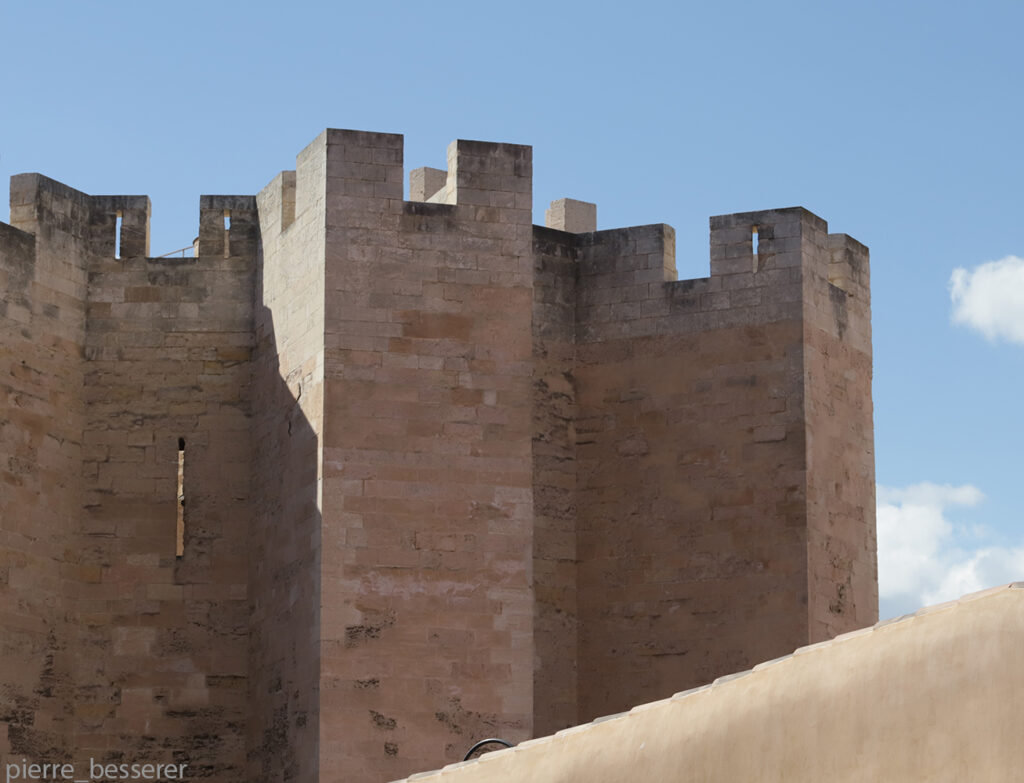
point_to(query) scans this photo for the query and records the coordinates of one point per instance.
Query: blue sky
(898, 122)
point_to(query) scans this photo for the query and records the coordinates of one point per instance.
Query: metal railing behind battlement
(175, 252)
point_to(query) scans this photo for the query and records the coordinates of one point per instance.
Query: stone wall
(843, 578)
(285, 532)
(427, 634)
(163, 636)
(446, 475)
(554, 481)
(694, 408)
(137, 359)
(42, 325)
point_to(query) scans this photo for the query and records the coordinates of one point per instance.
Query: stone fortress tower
(444, 474)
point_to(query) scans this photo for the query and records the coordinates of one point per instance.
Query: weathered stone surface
(446, 474)
(568, 214)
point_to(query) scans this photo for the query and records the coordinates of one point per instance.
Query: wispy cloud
(923, 558)
(990, 298)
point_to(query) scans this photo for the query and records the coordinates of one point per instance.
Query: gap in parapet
(693, 247)
(174, 230)
(416, 157)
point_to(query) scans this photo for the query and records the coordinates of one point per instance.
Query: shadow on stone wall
(284, 573)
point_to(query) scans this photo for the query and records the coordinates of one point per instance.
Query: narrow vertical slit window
(117, 234)
(179, 539)
(227, 233)
(753, 243)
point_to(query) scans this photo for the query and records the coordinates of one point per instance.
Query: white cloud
(931, 495)
(990, 298)
(922, 559)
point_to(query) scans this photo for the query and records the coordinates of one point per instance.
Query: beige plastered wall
(932, 696)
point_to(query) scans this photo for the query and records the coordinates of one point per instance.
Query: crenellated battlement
(118, 227)
(228, 226)
(410, 472)
(762, 263)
